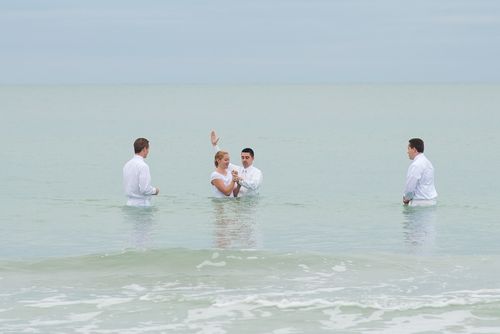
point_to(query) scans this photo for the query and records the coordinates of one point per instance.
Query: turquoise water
(326, 248)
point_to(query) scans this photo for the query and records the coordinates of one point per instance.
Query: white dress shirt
(251, 179)
(137, 182)
(420, 182)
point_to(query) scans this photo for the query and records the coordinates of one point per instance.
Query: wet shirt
(420, 180)
(227, 179)
(137, 182)
(252, 179)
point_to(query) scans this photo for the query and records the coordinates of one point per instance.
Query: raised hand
(213, 138)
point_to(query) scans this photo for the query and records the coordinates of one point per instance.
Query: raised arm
(214, 139)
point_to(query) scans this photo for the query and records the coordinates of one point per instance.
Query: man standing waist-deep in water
(136, 176)
(419, 188)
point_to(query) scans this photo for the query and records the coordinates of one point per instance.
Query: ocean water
(326, 248)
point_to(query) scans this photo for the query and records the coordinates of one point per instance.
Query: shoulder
(427, 164)
(128, 163)
(256, 170)
(135, 163)
(422, 160)
(417, 166)
(142, 164)
(216, 175)
(424, 157)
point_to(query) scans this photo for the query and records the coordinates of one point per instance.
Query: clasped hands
(236, 178)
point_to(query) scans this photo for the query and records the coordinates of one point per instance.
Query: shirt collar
(418, 156)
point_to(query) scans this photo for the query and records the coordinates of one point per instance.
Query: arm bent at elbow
(145, 184)
(226, 190)
(252, 183)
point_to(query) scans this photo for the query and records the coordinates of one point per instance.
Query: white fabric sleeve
(215, 176)
(145, 187)
(253, 182)
(412, 178)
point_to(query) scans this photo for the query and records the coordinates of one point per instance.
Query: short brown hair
(417, 144)
(140, 144)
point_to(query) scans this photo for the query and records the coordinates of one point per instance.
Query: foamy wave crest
(375, 302)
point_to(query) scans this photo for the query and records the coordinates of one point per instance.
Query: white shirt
(227, 179)
(251, 179)
(137, 182)
(420, 180)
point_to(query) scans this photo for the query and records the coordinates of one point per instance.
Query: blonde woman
(223, 181)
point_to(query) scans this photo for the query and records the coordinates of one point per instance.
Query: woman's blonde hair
(219, 155)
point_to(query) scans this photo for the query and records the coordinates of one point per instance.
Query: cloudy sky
(253, 41)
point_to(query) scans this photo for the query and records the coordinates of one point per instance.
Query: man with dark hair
(419, 188)
(249, 176)
(136, 176)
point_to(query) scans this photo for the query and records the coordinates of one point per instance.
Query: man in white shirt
(249, 177)
(136, 176)
(419, 188)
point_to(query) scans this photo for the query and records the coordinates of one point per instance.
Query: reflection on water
(235, 222)
(141, 220)
(419, 228)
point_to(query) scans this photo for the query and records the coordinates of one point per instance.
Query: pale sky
(249, 42)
